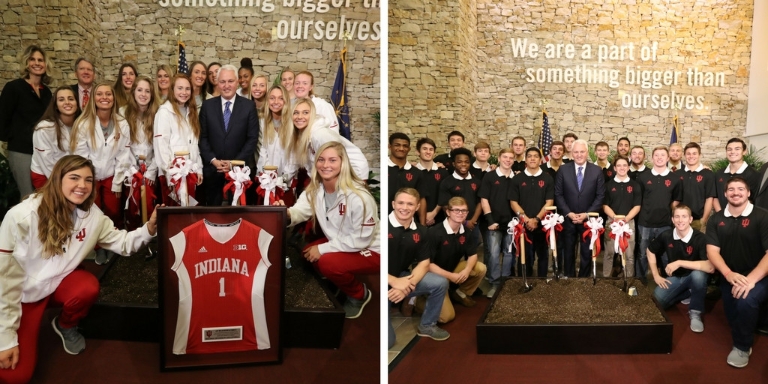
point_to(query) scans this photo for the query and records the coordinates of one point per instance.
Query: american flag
(183, 67)
(545, 138)
(675, 133)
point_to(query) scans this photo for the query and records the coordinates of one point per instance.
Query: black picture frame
(171, 221)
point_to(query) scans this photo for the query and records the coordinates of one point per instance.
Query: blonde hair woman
(43, 240)
(274, 139)
(101, 135)
(303, 87)
(259, 92)
(308, 133)
(339, 202)
(177, 129)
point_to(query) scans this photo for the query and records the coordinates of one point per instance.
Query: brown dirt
(134, 280)
(573, 301)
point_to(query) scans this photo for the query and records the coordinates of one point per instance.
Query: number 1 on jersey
(221, 288)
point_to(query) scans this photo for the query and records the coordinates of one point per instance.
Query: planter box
(561, 339)
(302, 327)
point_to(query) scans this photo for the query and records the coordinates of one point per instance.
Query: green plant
(377, 118)
(374, 186)
(754, 158)
(9, 192)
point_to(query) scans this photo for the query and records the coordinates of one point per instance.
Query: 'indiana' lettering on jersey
(220, 265)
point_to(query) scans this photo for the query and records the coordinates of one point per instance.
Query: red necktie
(674, 168)
(85, 99)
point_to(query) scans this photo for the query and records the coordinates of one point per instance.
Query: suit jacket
(237, 143)
(76, 91)
(569, 199)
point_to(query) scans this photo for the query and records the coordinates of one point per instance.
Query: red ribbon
(231, 187)
(520, 231)
(558, 227)
(191, 178)
(274, 197)
(623, 241)
(136, 182)
(588, 232)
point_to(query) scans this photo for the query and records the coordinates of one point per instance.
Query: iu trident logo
(745, 223)
(409, 176)
(667, 183)
(689, 249)
(541, 183)
(342, 209)
(699, 178)
(416, 238)
(80, 235)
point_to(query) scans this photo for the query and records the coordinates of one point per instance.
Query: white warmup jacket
(170, 137)
(343, 223)
(142, 148)
(325, 109)
(274, 154)
(46, 150)
(108, 151)
(321, 135)
(28, 277)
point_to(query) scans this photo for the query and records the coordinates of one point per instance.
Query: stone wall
(713, 37)
(432, 70)
(142, 32)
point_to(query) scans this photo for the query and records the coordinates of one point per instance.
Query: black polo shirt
(609, 173)
(518, 166)
(450, 248)
(431, 183)
(454, 185)
(693, 247)
(621, 197)
(551, 171)
(406, 177)
(659, 191)
(478, 173)
(633, 174)
(494, 188)
(743, 240)
(698, 186)
(531, 191)
(748, 173)
(407, 245)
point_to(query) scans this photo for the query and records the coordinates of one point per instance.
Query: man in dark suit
(761, 195)
(86, 74)
(229, 130)
(578, 190)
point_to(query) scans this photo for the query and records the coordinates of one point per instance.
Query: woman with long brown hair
(122, 88)
(339, 202)
(21, 109)
(52, 134)
(43, 240)
(287, 77)
(198, 74)
(211, 87)
(140, 115)
(177, 130)
(101, 135)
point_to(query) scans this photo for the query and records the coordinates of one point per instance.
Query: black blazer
(761, 195)
(76, 91)
(237, 143)
(569, 199)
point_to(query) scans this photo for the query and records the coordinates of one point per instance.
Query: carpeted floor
(695, 358)
(105, 361)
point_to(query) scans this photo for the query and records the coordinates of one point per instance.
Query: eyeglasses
(460, 211)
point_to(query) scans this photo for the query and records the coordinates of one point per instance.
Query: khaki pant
(629, 271)
(469, 286)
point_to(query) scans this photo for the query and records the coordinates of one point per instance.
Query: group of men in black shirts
(668, 205)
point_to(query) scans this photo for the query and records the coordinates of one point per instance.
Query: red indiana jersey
(221, 270)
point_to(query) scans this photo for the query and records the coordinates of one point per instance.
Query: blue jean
(678, 288)
(742, 314)
(641, 260)
(435, 287)
(500, 260)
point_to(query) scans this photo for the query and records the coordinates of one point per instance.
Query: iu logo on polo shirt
(408, 176)
(699, 178)
(609, 173)
(474, 186)
(416, 238)
(462, 240)
(667, 183)
(437, 176)
(745, 223)
(541, 183)
(689, 250)
(629, 189)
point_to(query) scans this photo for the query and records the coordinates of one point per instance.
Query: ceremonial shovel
(526, 287)
(621, 253)
(594, 254)
(555, 268)
(236, 163)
